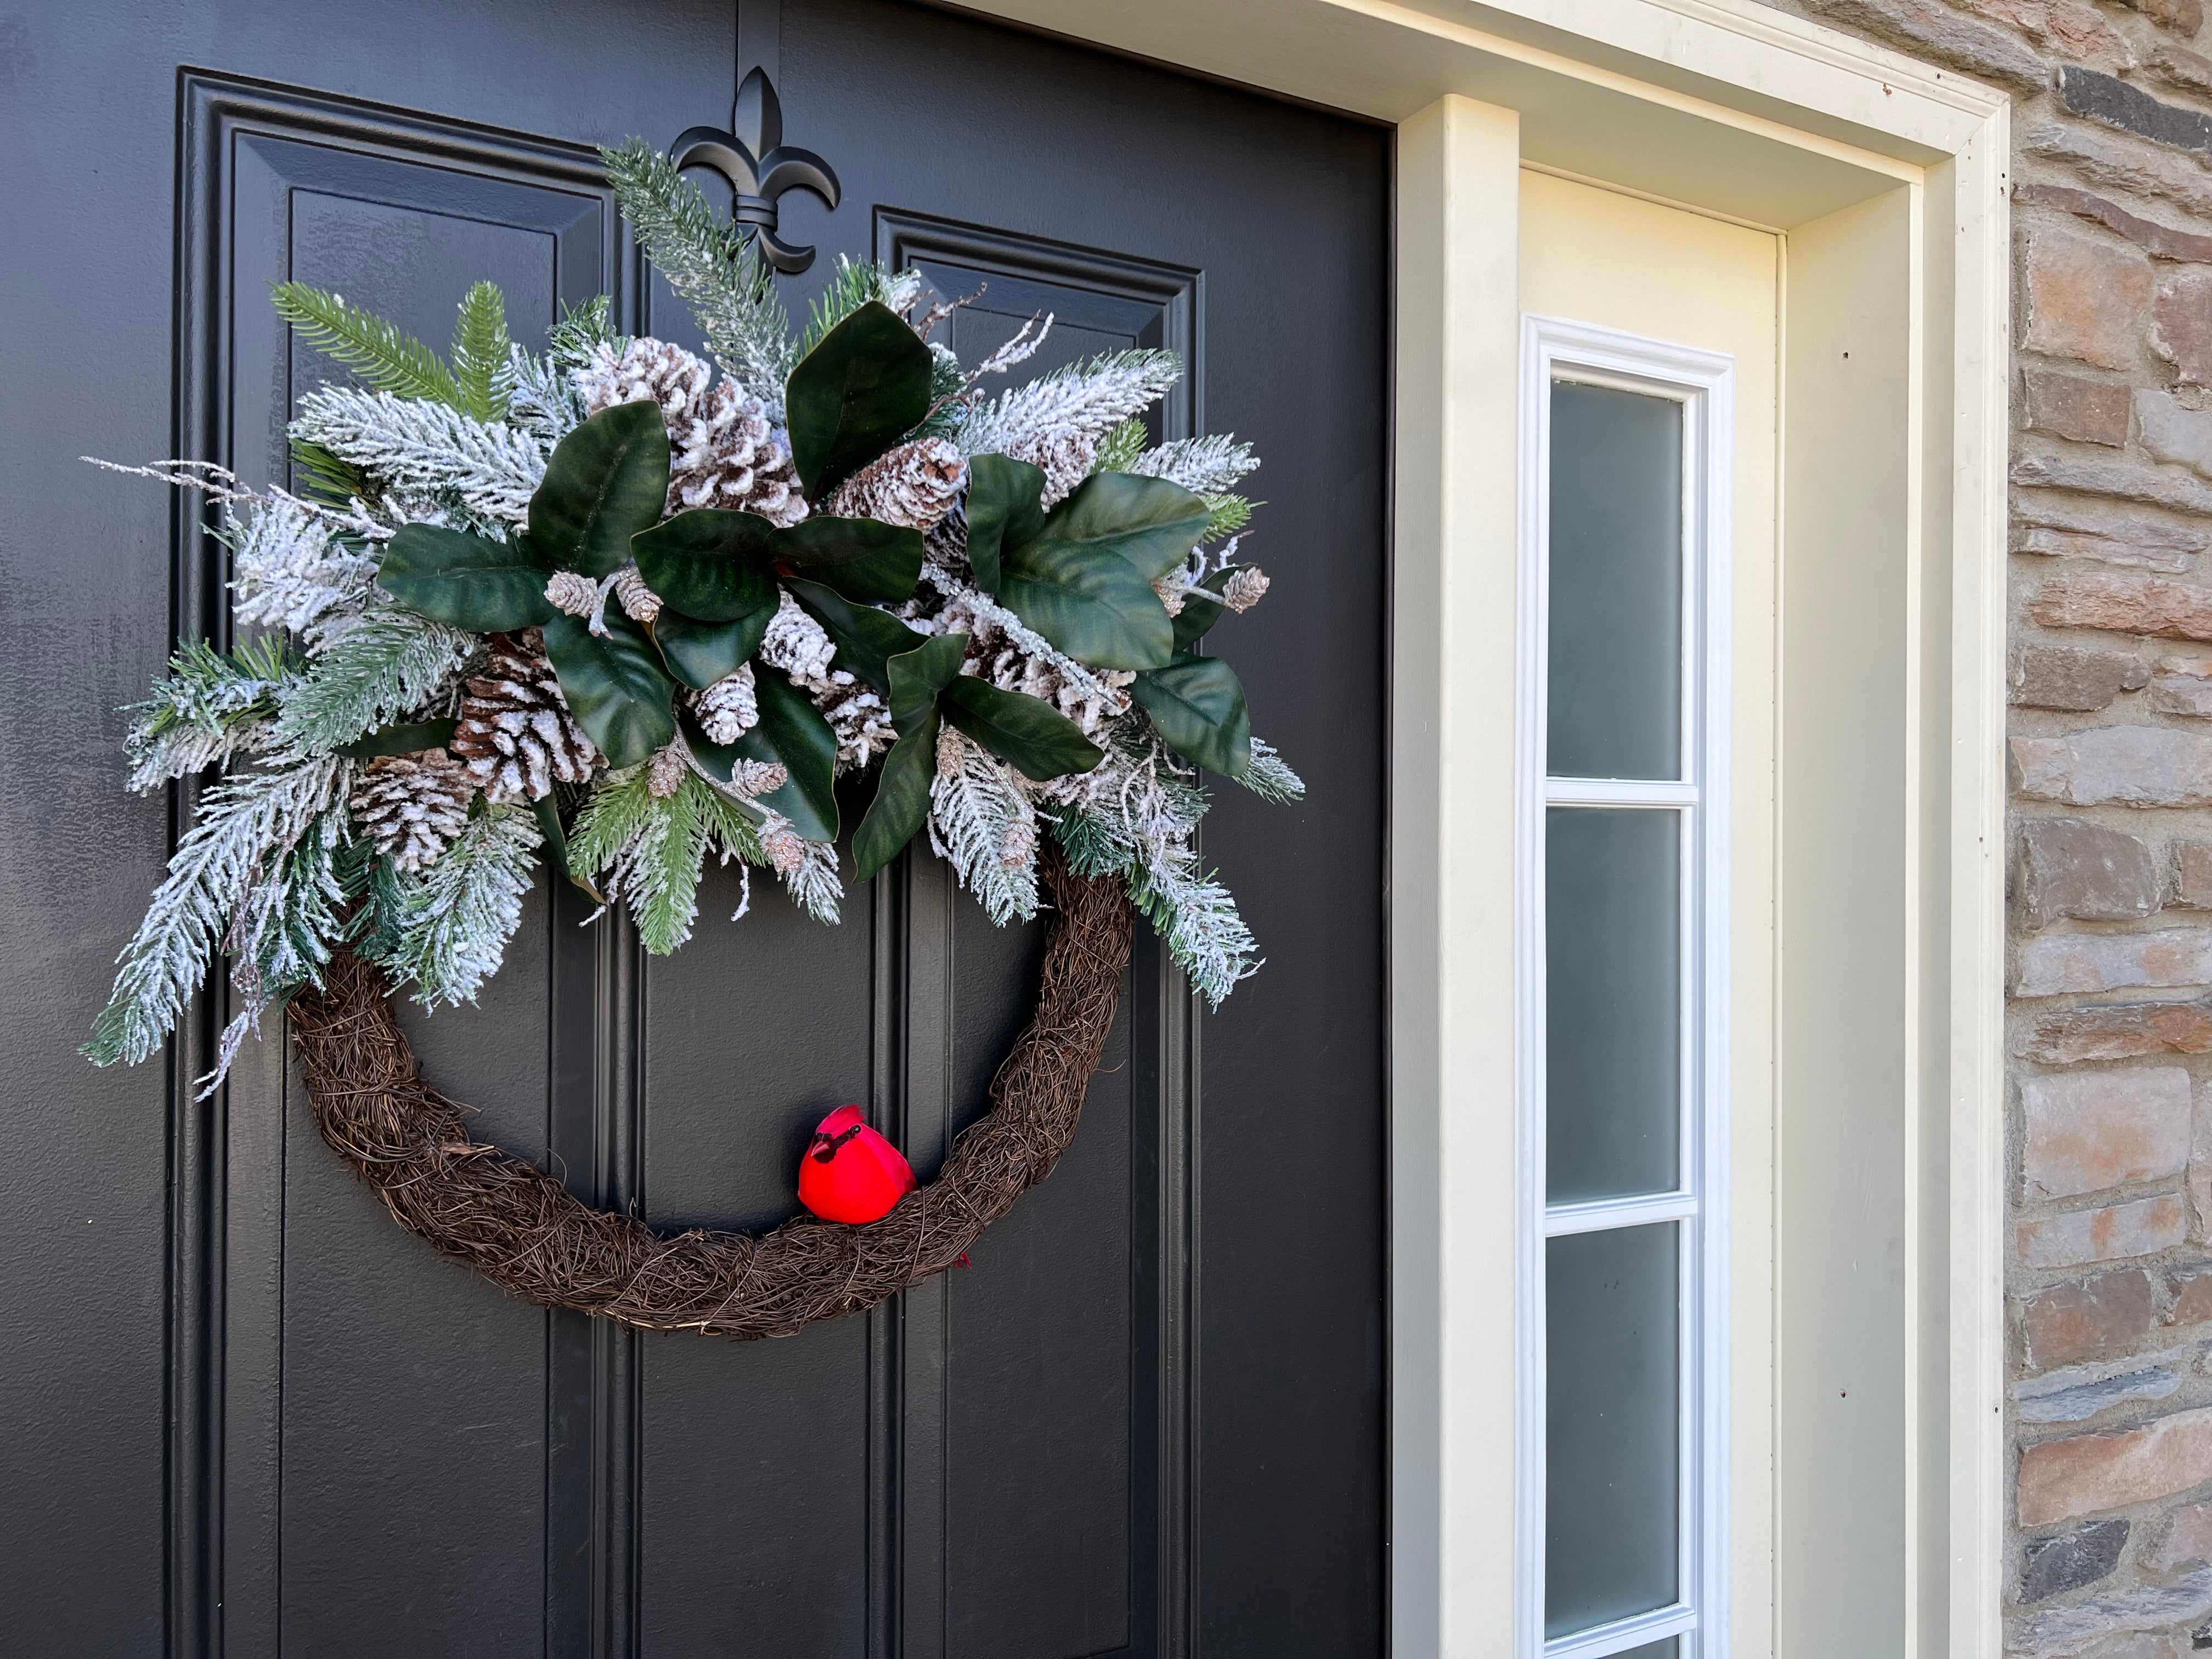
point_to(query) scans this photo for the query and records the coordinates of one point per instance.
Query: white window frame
(1703, 383)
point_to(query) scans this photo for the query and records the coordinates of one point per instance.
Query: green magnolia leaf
(861, 558)
(700, 653)
(917, 676)
(615, 684)
(866, 639)
(900, 806)
(792, 733)
(464, 581)
(400, 740)
(1150, 522)
(1196, 619)
(864, 387)
(1004, 509)
(709, 562)
(1198, 708)
(1090, 602)
(556, 846)
(1024, 731)
(606, 481)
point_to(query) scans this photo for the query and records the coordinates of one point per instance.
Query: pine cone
(725, 452)
(1064, 453)
(516, 733)
(1245, 589)
(573, 591)
(796, 643)
(728, 710)
(639, 602)
(665, 772)
(413, 806)
(781, 842)
(645, 370)
(913, 485)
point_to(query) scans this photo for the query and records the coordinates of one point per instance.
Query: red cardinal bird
(850, 1173)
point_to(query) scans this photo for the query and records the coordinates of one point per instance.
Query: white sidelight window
(1623, 995)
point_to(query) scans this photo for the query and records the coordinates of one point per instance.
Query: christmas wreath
(600, 607)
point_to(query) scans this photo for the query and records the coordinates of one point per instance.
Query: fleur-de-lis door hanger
(760, 167)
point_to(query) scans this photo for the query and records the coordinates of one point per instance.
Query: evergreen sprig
(246, 824)
(853, 283)
(711, 264)
(389, 664)
(211, 704)
(1119, 449)
(378, 352)
(444, 930)
(653, 849)
(1226, 514)
(483, 374)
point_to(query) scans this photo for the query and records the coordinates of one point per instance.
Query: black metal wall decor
(760, 168)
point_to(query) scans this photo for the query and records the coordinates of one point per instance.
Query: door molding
(244, 147)
(1872, 165)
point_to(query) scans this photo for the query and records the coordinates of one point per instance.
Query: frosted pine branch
(712, 265)
(246, 824)
(1089, 399)
(212, 706)
(426, 450)
(288, 570)
(1206, 466)
(545, 402)
(809, 868)
(1133, 815)
(282, 933)
(1270, 777)
(392, 663)
(455, 918)
(1197, 919)
(981, 822)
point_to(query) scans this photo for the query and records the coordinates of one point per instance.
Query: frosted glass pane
(1616, 588)
(1610, 1519)
(1612, 948)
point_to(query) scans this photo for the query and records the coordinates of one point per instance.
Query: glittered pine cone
(723, 449)
(728, 454)
(411, 807)
(729, 708)
(913, 485)
(1065, 453)
(515, 733)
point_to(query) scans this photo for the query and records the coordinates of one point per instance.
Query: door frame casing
(1886, 177)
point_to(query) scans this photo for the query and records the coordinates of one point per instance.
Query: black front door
(246, 1415)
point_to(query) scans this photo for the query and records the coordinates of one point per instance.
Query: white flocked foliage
(346, 805)
(981, 823)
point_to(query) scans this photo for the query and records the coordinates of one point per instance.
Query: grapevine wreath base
(525, 1232)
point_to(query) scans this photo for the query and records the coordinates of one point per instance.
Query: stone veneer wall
(2110, 1024)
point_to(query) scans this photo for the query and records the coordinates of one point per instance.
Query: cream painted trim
(1454, 1198)
(1731, 107)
